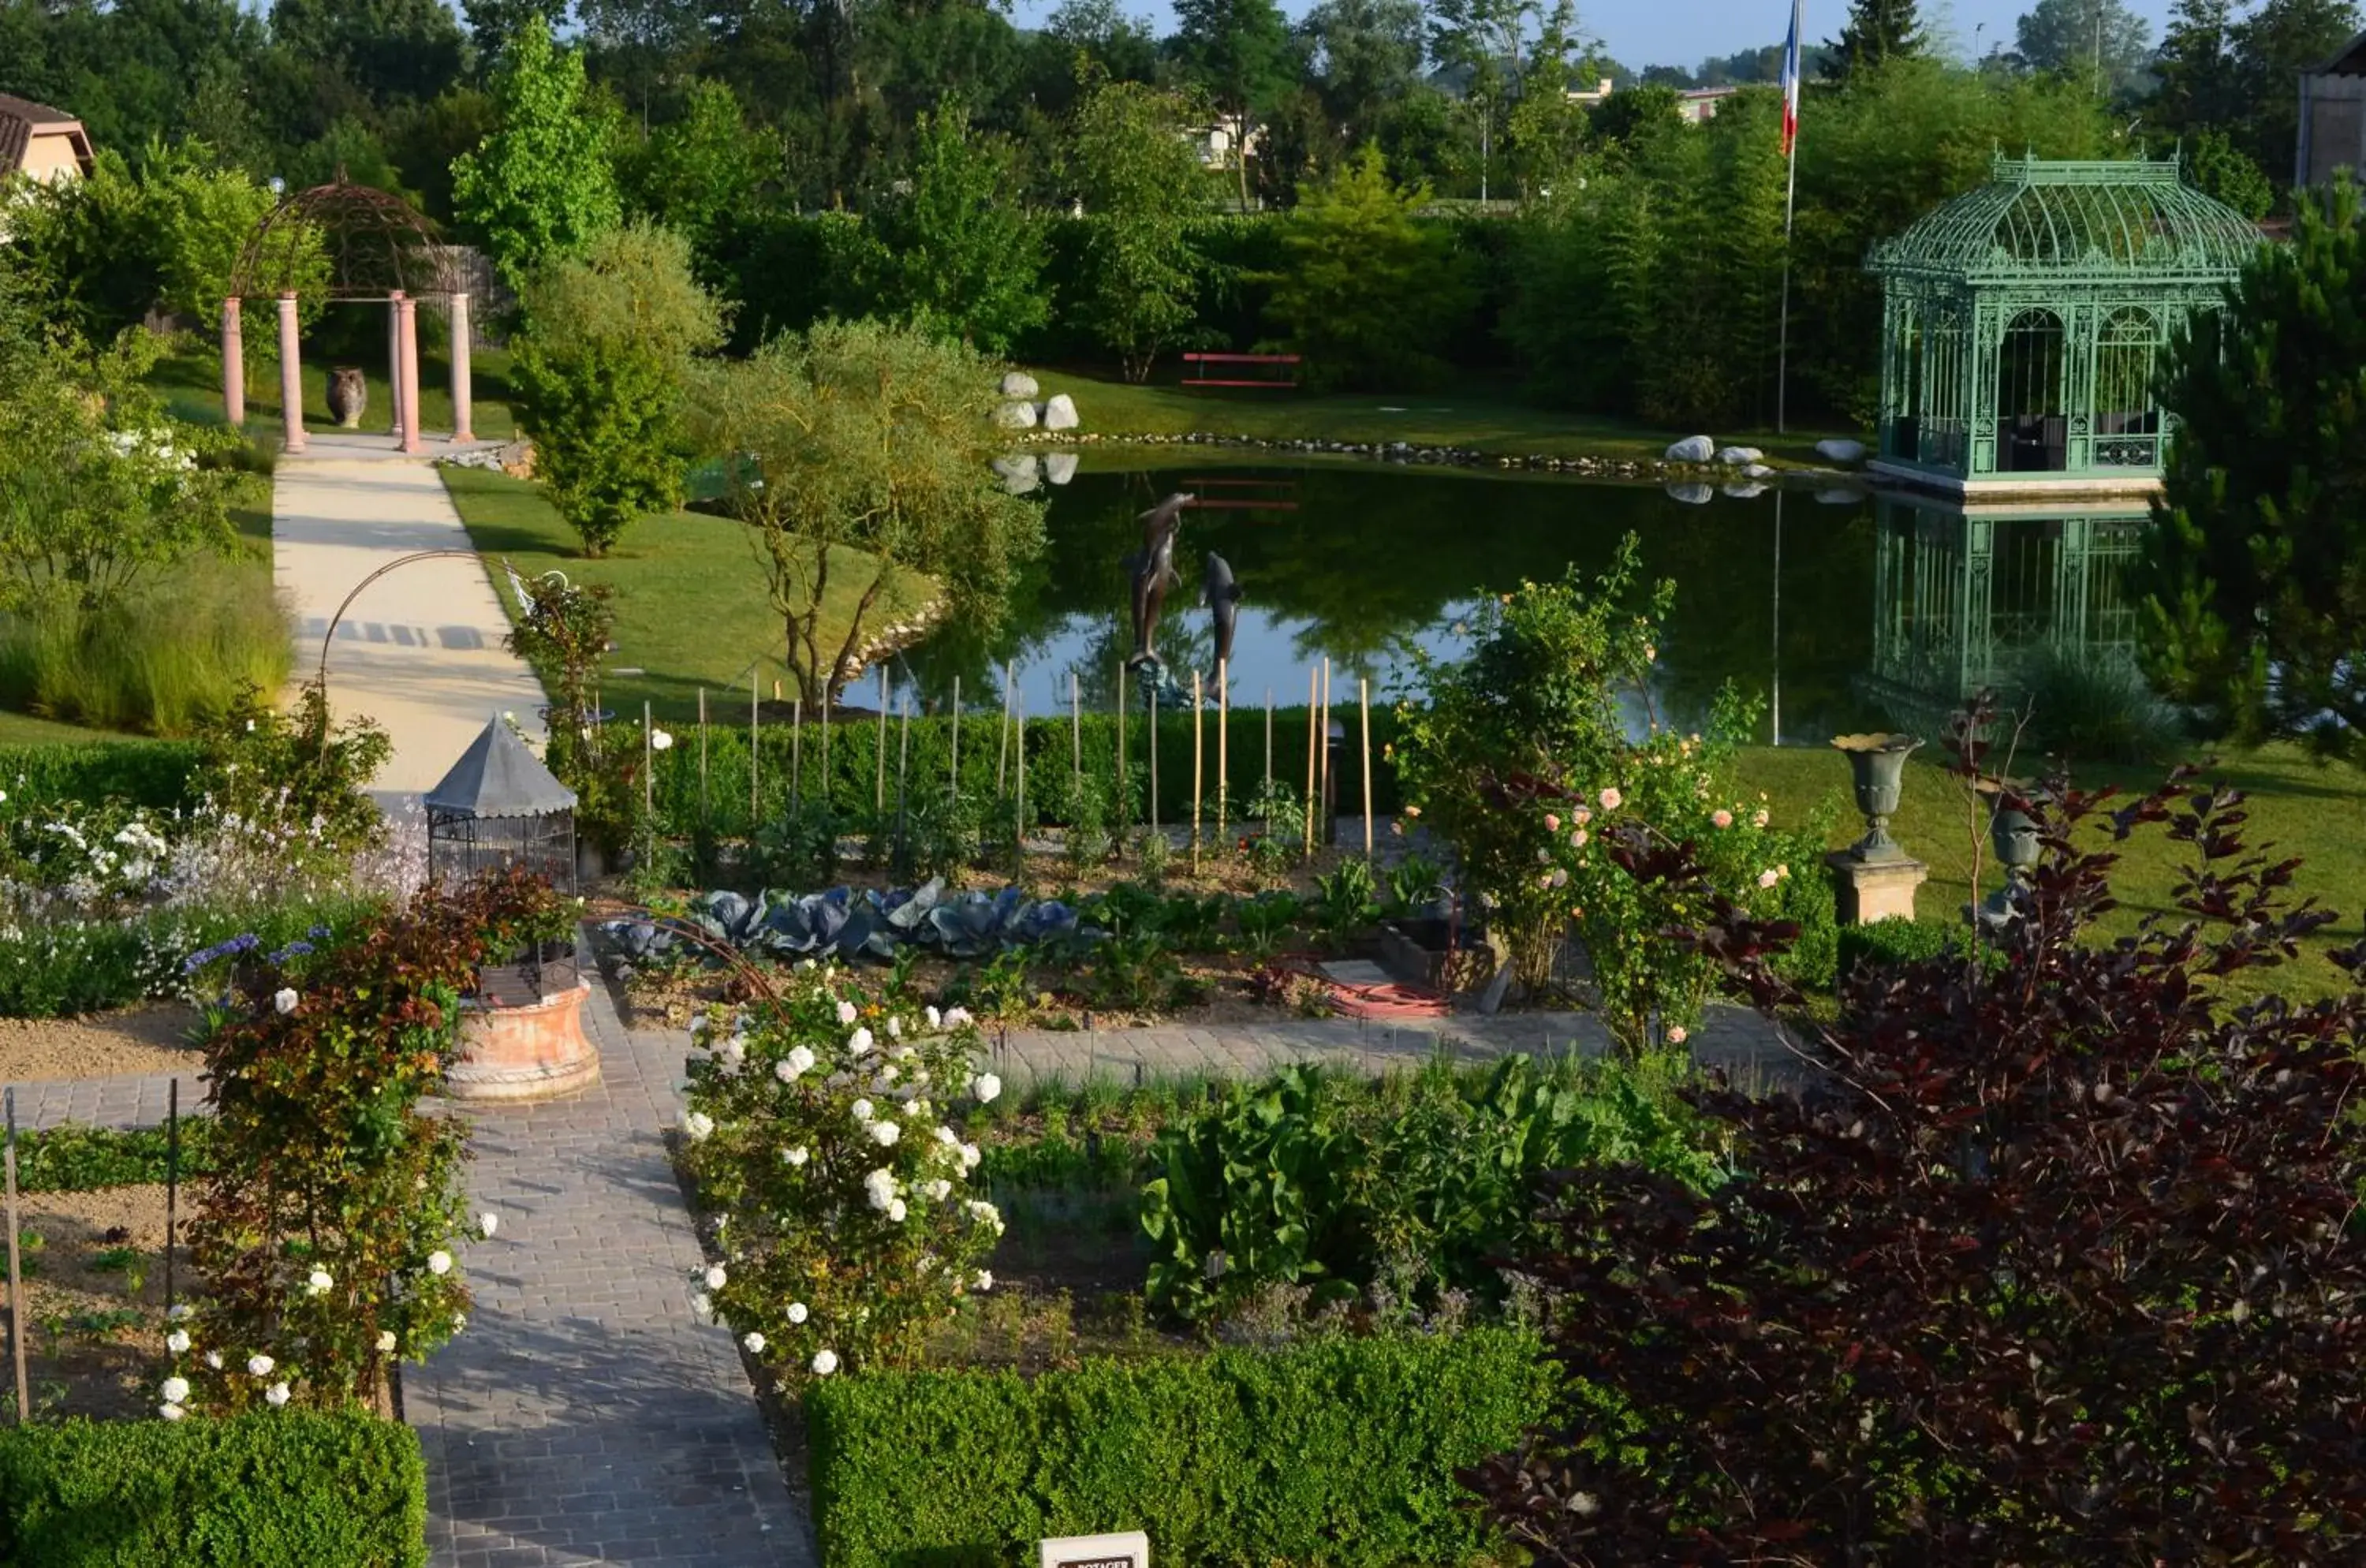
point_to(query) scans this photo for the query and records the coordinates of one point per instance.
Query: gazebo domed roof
(2046, 220)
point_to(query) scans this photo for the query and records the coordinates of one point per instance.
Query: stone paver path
(585, 1417)
(421, 650)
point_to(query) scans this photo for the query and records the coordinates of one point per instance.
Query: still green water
(1839, 610)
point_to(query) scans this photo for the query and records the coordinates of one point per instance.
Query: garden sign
(1127, 1550)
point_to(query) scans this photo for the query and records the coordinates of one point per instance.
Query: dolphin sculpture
(1152, 567)
(1222, 597)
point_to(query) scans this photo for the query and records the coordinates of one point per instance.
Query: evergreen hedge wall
(1342, 1453)
(144, 772)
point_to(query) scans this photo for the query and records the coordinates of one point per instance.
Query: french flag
(1791, 79)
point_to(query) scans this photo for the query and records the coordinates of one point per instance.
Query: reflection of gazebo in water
(1963, 599)
(378, 249)
(2022, 324)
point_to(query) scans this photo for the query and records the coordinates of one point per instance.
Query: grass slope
(691, 603)
(2297, 805)
(1485, 419)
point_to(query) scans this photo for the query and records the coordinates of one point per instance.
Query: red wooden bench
(1286, 365)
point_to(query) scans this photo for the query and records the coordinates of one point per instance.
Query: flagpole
(1790, 191)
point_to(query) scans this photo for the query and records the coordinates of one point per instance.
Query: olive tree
(858, 455)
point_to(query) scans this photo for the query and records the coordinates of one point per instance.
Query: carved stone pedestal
(1875, 890)
(533, 1051)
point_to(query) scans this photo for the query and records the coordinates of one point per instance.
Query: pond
(1835, 609)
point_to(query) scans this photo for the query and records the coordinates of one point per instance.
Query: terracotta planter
(535, 1051)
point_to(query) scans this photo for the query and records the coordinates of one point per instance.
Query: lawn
(190, 382)
(2298, 807)
(1484, 418)
(692, 607)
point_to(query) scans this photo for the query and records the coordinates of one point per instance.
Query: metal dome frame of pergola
(376, 247)
(2022, 324)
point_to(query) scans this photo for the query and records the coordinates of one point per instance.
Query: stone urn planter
(522, 1045)
(2014, 836)
(348, 396)
(1878, 769)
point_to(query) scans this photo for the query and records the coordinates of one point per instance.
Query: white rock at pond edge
(1690, 494)
(1059, 466)
(1692, 449)
(1020, 472)
(1019, 385)
(1060, 413)
(1738, 455)
(1837, 450)
(1015, 416)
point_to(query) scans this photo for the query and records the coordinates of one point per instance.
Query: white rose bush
(822, 1128)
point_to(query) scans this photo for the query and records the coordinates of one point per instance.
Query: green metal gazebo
(2022, 323)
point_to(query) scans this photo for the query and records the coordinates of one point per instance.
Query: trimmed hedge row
(272, 1489)
(853, 765)
(154, 773)
(1342, 1453)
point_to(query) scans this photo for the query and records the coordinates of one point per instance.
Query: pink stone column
(394, 364)
(233, 347)
(291, 376)
(408, 309)
(463, 400)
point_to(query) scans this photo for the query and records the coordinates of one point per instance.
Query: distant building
(40, 141)
(1219, 144)
(2332, 117)
(1695, 104)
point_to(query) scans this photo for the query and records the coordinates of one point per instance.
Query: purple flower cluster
(245, 942)
(293, 950)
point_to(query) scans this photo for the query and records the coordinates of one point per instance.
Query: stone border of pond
(1407, 452)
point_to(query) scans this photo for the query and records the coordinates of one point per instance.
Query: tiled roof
(19, 118)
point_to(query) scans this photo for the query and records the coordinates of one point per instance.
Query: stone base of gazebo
(2020, 490)
(532, 1051)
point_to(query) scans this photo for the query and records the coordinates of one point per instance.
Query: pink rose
(1758, 818)
(1767, 878)
(1611, 799)
(1676, 1035)
(1552, 822)
(1721, 816)
(1577, 839)
(1580, 815)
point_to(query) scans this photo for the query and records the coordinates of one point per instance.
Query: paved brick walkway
(585, 1417)
(139, 1101)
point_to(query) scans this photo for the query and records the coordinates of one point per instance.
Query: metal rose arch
(377, 249)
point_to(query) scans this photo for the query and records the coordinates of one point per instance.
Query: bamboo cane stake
(702, 754)
(1323, 734)
(1002, 741)
(1019, 805)
(755, 813)
(1150, 721)
(1364, 712)
(829, 793)
(1076, 724)
(1196, 761)
(16, 1276)
(649, 764)
(171, 1184)
(1122, 807)
(1268, 737)
(879, 790)
(902, 765)
(1312, 680)
(796, 755)
(1224, 751)
(953, 773)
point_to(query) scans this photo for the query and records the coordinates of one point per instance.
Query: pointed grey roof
(497, 776)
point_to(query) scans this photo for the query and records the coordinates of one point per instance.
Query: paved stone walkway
(585, 1417)
(421, 650)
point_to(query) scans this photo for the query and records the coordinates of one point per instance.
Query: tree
(2199, 84)
(2218, 168)
(2051, 1255)
(541, 185)
(1365, 56)
(695, 174)
(2272, 46)
(601, 373)
(862, 470)
(2101, 42)
(388, 50)
(1546, 130)
(1366, 292)
(2256, 567)
(957, 249)
(1877, 32)
(1483, 42)
(1139, 183)
(1240, 50)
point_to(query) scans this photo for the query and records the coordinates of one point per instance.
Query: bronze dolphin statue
(1153, 567)
(1221, 595)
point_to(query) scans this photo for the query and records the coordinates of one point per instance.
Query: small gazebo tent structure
(377, 248)
(499, 807)
(2022, 324)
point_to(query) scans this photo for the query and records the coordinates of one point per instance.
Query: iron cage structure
(2023, 324)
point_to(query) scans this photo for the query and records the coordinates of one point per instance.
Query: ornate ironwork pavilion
(2022, 324)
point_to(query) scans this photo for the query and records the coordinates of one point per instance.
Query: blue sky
(1682, 33)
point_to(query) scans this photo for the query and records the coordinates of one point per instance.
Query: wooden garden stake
(16, 1276)
(702, 754)
(1323, 739)
(1002, 740)
(1019, 804)
(172, 1182)
(1121, 804)
(1268, 737)
(1077, 724)
(902, 765)
(1153, 722)
(879, 789)
(755, 814)
(649, 762)
(829, 792)
(1197, 756)
(1223, 749)
(1312, 690)
(1364, 712)
(796, 754)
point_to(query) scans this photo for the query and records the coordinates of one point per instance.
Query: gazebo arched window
(2032, 429)
(2127, 420)
(2025, 321)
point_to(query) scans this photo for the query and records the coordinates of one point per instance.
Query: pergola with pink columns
(376, 246)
